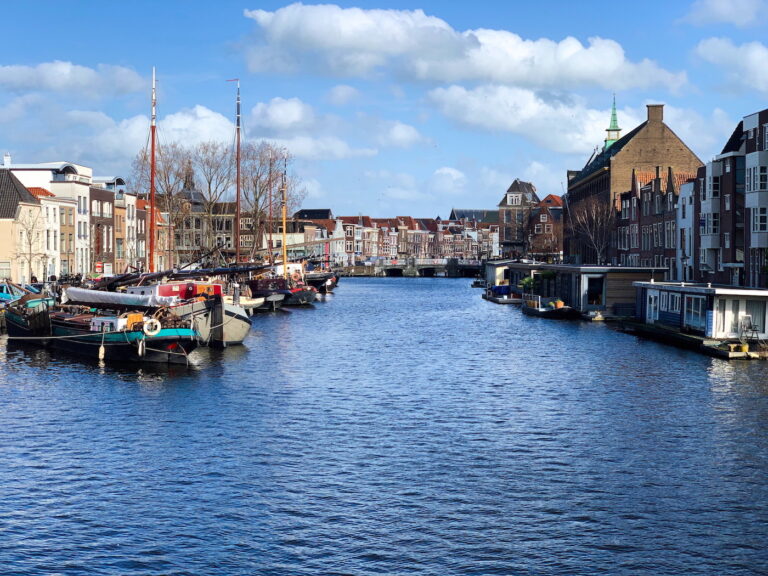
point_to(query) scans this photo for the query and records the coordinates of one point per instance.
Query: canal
(401, 426)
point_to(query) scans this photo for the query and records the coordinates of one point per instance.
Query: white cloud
(743, 65)
(740, 13)
(324, 148)
(282, 115)
(66, 77)
(687, 124)
(447, 181)
(493, 179)
(360, 43)
(19, 107)
(342, 94)
(191, 126)
(314, 189)
(557, 125)
(399, 186)
(399, 135)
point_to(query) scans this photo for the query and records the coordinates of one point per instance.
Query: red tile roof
(40, 192)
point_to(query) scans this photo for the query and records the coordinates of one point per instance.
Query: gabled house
(514, 213)
(22, 228)
(545, 230)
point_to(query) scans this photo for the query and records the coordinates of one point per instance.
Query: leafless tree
(30, 246)
(214, 170)
(592, 221)
(264, 170)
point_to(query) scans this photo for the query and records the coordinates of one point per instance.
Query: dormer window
(543, 218)
(514, 199)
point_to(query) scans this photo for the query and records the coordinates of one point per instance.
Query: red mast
(153, 138)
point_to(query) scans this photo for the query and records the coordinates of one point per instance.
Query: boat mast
(270, 223)
(152, 169)
(285, 247)
(237, 187)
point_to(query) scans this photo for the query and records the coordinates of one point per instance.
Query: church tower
(613, 131)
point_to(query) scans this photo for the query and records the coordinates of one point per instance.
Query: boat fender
(295, 276)
(152, 327)
(142, 348)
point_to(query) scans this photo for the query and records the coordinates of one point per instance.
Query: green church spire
(613, 131)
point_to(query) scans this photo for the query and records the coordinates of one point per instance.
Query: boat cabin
(718, 312)
(607, 289)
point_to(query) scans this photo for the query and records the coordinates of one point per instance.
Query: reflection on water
(398, 426)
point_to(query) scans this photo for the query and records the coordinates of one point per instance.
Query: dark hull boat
(323, 282)
(293, 295)
(534, 307)
(145, 335)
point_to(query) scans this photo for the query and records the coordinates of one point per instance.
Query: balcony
(710, 241)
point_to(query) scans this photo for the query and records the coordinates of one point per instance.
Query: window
(514, 199)
(5, 269)
(710, 223)
(727, 200)
(548, 228)
(726, 240)
(683, 209)
(715, 187)
(695, 313)
(760, 219)
(543, 218)
(763, 181)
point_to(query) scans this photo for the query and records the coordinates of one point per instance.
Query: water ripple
(401, 426)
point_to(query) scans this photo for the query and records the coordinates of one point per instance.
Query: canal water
(400, 426)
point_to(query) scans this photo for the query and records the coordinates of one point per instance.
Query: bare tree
(214, 168)
(264, 169)
(30, 246)
(592, 221)
(171, 176)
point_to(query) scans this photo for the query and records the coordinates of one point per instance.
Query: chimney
(655, 112)
(7, 160)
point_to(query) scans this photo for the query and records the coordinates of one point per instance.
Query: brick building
(607, 174)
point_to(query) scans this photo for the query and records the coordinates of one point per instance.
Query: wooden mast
(152, 169)
(285, 244)
(237, 176)
(270, 222)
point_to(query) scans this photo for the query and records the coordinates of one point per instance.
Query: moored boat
(323, 281)
(219, 323)
(533, 305)
(121, 333)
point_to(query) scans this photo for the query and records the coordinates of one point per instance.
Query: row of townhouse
(701, 222)
(58, 220)
(350, 240)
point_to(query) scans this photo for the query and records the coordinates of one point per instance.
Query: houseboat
(726, 321)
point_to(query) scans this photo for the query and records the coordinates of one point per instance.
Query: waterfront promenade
(400, 426)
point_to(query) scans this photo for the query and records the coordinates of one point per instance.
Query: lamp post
(684, 260)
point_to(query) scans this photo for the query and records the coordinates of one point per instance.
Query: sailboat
(218, 323)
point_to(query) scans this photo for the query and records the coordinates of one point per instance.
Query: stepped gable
(12, 193)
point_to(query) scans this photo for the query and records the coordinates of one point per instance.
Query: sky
(389, 108)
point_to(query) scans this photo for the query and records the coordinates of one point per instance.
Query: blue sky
(390, 108)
